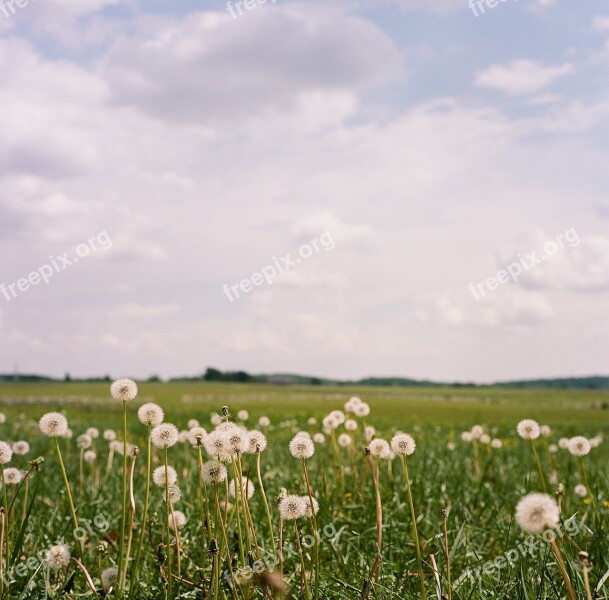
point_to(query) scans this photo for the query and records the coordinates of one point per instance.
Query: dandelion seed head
(302, 447)
(109, 435)
(466, 436)
(89, 456)
(379, 448)
(6, 453)
(256, 442)
(451, 446)
(57, 557)
(545, 430)
(339, 416)
(307, 506)
(264, 421)
(53, 424)
(362, 410)
(84, 441)
(579, 446)
(2, 418)
(344, 440)
(164, 435)
(537, 512)
(215, 443)
(596, 441)
(485, 439)
(213, 472)
(150, 414)
(196, 436)
(176, 519)
(370, 432)
(215, 419)
(247, 488)
(350, 425)
(158, 476)
(292, 507)
(21, 447)
(109, 577)
(581, 490)
(528, 429)
(123, 389)
(329, 423)
(477, 431)
(496, 443)
(403, 444)
(319, 438)
(563, 443)
(174, 493)
(12, 476)
(236, 439)
(311, 421)
(351, 404)
(92, 432)
(552, 448)
(183, 436)
(243, 415)
(192, 423)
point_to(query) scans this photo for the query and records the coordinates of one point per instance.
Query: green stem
(414, 527)
(314, 524)
(121, 544)
(265, 501)
(539, 470)
(167, 513)
(65, 480)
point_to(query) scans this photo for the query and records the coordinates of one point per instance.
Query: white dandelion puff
(247, 488)
(53, 424)
(192, 423)
(563, 443)
(403, 444)
(379, 448)
(109, 577)
(344, 440)
(302, 447)
(21, 447)
(264, 421)
(150, 414)
(158, 476)
(256, 442)
(123, 389)
(243, 415)
(6, 453)
(109, 435)
(477, 431)
(466, 436)
(307, 504)
(581, 490)
(579, 446)
(362, 410)
(213, 472)
(528, 429)
(496, 443)
(196, 436)
(292, 507)
(84, 441)
(174, 493)
(89, 456)
(350, 425)
(177, 519)
(12, 476)
(545, 430)
(57, 557)
(319, 438)
(537, 512)
(165, 435)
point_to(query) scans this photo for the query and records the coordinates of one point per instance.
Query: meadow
(461, 487)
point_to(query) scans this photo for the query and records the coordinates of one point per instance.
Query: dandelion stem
(65, 480)
(302, 563)
(6, 513)
(374, 470)
(414, 527)
(264, 500)
(130, 524)
(563, 569)
(121, 566)
(446, 553)
(314, 525)
(167, 513)
(539, 470)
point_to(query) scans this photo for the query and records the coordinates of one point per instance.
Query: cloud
(521, 77)
(600, 23)
(262, 64)
(132, 310)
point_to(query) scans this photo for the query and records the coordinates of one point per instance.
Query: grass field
(479, 485)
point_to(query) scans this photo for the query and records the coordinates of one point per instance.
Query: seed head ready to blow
(319, 438)
(350, 425)
(236, 439)
(545, 430)
(215, 444)
(379, 448)
(92, 432)
(57, 557)
(192, 423)
(307, 503)
(213, 472)
(256, 442)
(302, 447)
(264, 421)
(53, 424)
(351, 404)
(528, 429)
(196, 436)
(563, 443)
(466, 436)
(247, 488)
(123, 389)
(292, 507)
(243, 415)
(579, 446)
(177, 517)
(158, 476)
(84, 441)
(150, 414)
(537, 512)
(361, 410)
(109, 577)
(164, 435)
(89, 456)
(6, 453)
(21, 447)
(344, 440)
(477, 431)
(403, 444)
(12, 476)
(174, 494)
(581, 490)
(496, 443)
(109, 435)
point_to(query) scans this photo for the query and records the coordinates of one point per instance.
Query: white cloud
(601, 23)
(133, 310)
(521, 76)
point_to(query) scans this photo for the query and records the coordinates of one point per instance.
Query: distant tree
(212, 375)
(67, 377)
(242, 377)
(154, 379)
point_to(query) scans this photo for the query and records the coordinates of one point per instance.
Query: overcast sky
(425, 149)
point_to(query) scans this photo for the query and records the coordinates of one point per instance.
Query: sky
(337, 188)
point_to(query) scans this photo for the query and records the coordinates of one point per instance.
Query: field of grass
(478, 485)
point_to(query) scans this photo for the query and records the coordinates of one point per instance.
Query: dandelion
(537, 512)
(165, 435)
(109, 577)
(150, 414)
(243, 415)
(215, 419)
(6, 453)
(21, 447)
(563, 443)
(256, 442)
(183, 436)
(12, 476)
(109, 435)
(2, 418)
(485, 439)
(403, 444)
(177, 519)
(319, 438)
(84, 441)
(123, 390)
(311, 506)
(451, 446)
(379, 448)
(92, 432)
(596, 441)
(552, 448)
(528, 429)
(174, 494)
(466, 437)
(477, 431)
(236, 439)
(264, 421)
(496, 443)
(213, 472)
(196, 435)
(247, 488)
(329, 423)
(362, 410)
(370, 432)
(350, 425)
(579, 446)
(159, 478)
(302, 447)
(53, 424)
(344, 440)
(338, 416)
(292, 507)
(352, 403)
(57, 557)
(581, 490)
(311, 421)
(545, 430)
(192, 423)
(90, 456)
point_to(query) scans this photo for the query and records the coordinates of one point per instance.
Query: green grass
(480, 525)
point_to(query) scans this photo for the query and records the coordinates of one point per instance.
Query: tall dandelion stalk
(404, 445)
(123, 390)
(529, 430)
